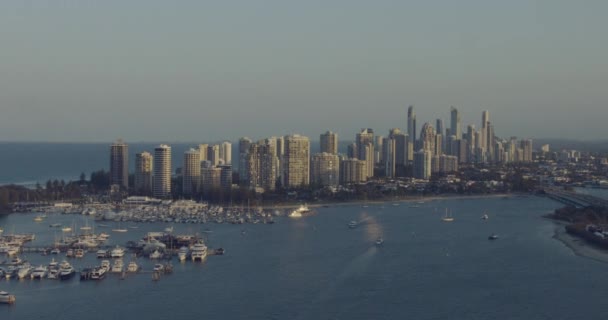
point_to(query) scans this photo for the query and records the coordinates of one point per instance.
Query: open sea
(318, 268)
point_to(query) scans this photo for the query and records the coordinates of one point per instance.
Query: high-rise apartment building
(119, 164)
(352, 171)
(329, 142)
(296, 161)
(365, 147)
(226, 152)
(455, 126)
(203, 150)
(427, 137)
(411, 125)
(213, 155)
(162, 171)
(143, 173)
(244, 144)
(422, 164)
(191, 172)
(325, 169)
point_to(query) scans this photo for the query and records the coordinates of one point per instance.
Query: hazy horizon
(149, 71)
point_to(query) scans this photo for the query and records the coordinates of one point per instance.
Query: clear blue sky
(210, 70)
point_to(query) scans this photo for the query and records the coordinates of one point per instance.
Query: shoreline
(577, 245)
(399, 200)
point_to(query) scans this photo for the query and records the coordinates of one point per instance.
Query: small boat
(105, 264)
(66, 229)
(6, 298)
(102, 254)
(182, 255)
(353, 224)
(156, 255)
(396, 204)
(117, 252)
(79, 253)
(379, 241)
(219, 251)
(98, 273)
(38, 219)
(118, 266)
(447, 217)
(55, 251)
(485, 217)
(70, 253)
(159, 267)
(493, 236)
(297, 213)
(66, 271)
(132, 267)
(120, 230)
(169, 229)
(53, 274)
(55, 225)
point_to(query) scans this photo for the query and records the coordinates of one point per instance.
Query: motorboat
(485, 217)
(182, 255)
(298, 213)
(105, 264)
(379, 241)
(53, 274)
(39, 272)
(156, 255)
(70, 253)
(38, 219)
(353, 224)
(79, 253)
(66, 271)
(199, 251)
(132, 267)
(118, 266)
(102, 254)
(98, 273)
(493, 236)
(219, 251)
(24, 271)
(55, 251)
(159, 267)
(6, 298)
(117, 252)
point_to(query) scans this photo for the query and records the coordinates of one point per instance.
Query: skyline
(153, 71)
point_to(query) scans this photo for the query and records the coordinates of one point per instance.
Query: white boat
(55, 251)
(6, 298)
(79, 253)
(53, 274)
(66, 271)
(117, 252)
(156, 255)
(182, 255)
(98, 273)
(485, 217)
(353, 224)
(118, 266)
(12, 250)
(39, 272)
(159, 267)
(105, 264)
(24, 271)
(297, 213)
(379, 241)
(66, 229)
(120, 230)
(102, 254)
(199, 251)
(493, 236)
(38, 219)
(132, 267)
(447, 217)
(53, 264)
(169, 229)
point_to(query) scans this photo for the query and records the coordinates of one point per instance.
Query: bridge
(574, 199)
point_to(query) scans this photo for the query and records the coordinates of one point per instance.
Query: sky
(151, 70)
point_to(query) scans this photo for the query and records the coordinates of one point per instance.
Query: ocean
(318, 268)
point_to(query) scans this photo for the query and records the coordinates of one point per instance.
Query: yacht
(55, 251)
(24, 271)
(132, 267)
(66, 229)
(297, 213)
(69, 253)
(79, 253)
(53, 274)
(105, 264)
(117, 252)
(156, 255)
(38, 218)
(353, 224)
(159, 267)
(39, 272)
(118, 266)
(102, 254)
(6, 298)
(53, 264)
(66, 271)
(182, 254)
(98, 273)
(199, 251)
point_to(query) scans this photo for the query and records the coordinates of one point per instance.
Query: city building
(329, 142)
(119, 164)
(422, 164)
(226, 152)
(352, 170)
(325, 169)
(411, 125)
(162, 172)
(296, 161)
(213, 154)
(427, 137)
(365, 147)
(191, 172)
(226, 178)
(244, 144)
(210, 179)
(143, 173)
(455, 128)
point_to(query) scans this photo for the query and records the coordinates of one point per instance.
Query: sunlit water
(318, 268)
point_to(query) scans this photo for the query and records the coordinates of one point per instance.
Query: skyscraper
(325, 169)
(191, 172)
(365, 147)
(411, 125)
(143, 173)
(427, 137)
(244, 144)
(455, 128)
(226, 152)
(422, 164)
(296, 168)
(352, 171)
(119, 164)
(329, 142)
(162, 171)
(203, 150)
(213, 154)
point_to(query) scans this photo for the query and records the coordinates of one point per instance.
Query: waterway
(318, 268)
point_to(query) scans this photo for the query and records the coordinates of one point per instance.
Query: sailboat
(86, 226)
(119, 229)
(447, 217)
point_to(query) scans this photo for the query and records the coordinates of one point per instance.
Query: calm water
(318, 268)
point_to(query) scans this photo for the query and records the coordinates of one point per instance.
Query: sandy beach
(579, 246)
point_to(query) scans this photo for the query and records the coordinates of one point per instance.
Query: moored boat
(118, 266)
(132, 267)
(199, 251)
(66, 271)
(6, 298)
(117, 252)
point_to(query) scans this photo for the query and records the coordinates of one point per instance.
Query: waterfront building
(325, 169)
(329, 142)
(352, 170)
(262, 163)
(203, 150)
(378, 143)
(226, 152)
(351, 150)
(119, 164)
(422, 164)
(162, 171)
(244, 144)
(213, 154)
(296, 161)
(526, 146)
(210, 178)
(427, 137)
(191, 172)
(411, 124)
(365, 147)
(455, 128)
(143, 173)
(226, 178)
(389, 150)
